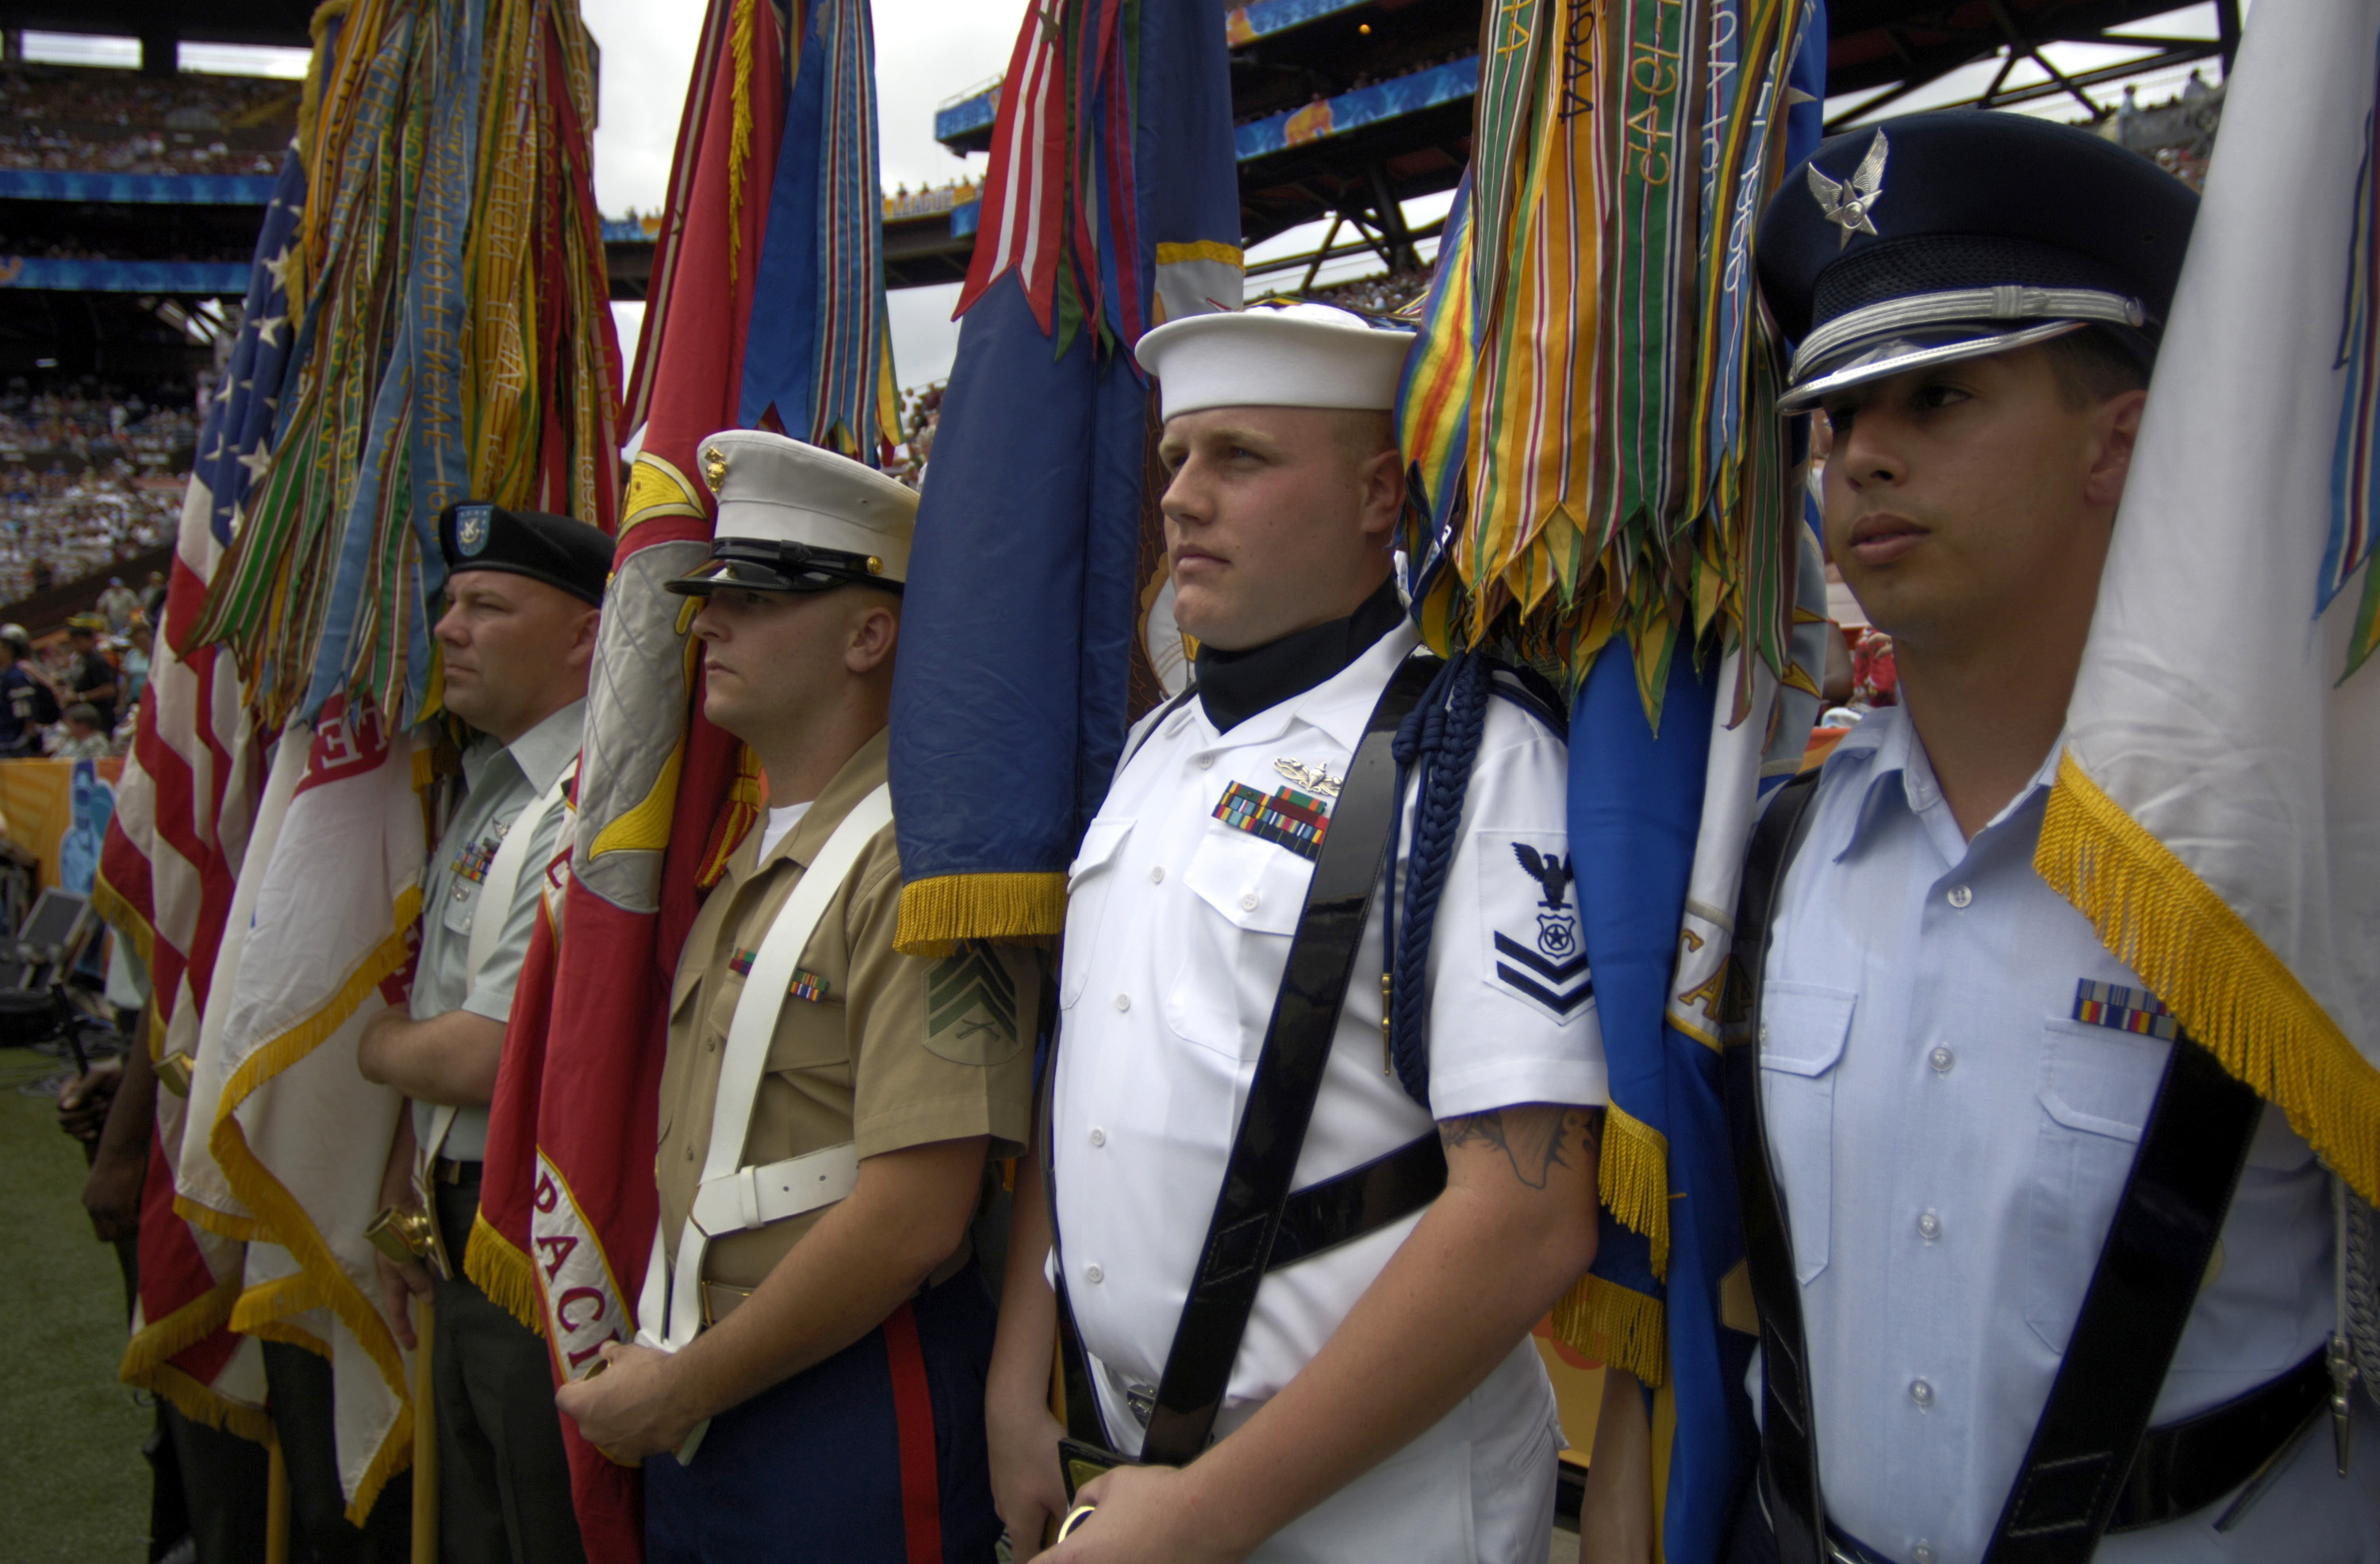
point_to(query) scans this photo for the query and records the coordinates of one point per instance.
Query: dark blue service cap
(1961, 233)
(568, 555)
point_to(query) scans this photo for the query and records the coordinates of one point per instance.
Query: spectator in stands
(90, 676)
(26, 705)
(133, 660)
(85, 739)
(117, 605)
(1873, 670)
(153, 597)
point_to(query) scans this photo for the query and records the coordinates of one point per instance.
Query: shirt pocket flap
(1803, 1027)
(2099, 1080)
(1255, 885)
(1100, 844)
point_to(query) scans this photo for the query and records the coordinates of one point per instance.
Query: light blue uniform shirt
(500, 780)
(1951, 1141)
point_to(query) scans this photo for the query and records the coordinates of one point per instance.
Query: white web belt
(735, 1198)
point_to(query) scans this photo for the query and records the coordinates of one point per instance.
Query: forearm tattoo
(1535, 1140)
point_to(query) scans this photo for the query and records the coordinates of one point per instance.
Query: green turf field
(73, 1486)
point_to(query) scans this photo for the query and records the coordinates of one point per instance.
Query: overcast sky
(927, 51)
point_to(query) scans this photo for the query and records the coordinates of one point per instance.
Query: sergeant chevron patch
(971, 1007)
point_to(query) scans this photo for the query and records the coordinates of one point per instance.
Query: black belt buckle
(1079, 1462)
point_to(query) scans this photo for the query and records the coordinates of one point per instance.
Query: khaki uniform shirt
(871, 1046)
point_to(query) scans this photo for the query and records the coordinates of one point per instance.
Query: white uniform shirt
(1178, 927)
(1951, 1128)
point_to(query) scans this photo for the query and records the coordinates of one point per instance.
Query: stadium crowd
(56, 529)
(120, 122)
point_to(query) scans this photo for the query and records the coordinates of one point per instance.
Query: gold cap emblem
(714, 467)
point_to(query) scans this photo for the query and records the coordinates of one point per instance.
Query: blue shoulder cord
(1440, 740)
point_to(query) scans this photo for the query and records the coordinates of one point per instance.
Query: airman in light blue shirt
(1954, 1073)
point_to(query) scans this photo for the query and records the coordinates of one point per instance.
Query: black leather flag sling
(1258, 1224)
(2093, 1463)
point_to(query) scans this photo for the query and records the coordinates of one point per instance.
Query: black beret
(561, 553)
(1958, 233)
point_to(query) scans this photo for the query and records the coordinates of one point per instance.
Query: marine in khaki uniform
(808, 1381)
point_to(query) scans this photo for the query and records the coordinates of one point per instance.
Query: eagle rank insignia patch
(1532, 921)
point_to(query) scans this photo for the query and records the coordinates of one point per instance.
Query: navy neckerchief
(1236, 685)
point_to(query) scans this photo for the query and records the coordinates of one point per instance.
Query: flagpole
(425, 1441)
(277, 1504)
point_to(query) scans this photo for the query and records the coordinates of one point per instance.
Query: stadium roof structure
(164, 22)
(1346, 109)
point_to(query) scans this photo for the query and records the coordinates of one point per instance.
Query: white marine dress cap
(1276, 356)
(796, 518)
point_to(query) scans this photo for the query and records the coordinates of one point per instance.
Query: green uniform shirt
(501, 781)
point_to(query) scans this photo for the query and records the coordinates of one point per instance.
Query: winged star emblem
(1847, 203)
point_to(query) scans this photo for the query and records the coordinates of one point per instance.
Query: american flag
(184, 805)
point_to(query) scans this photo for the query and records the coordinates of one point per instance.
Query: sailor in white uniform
(1383, 1400)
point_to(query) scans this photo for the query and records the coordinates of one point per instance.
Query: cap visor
(1903, 351)
(742, 576)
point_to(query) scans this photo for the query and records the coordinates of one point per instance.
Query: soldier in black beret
(1947, 1073)
(566, 555)
(515, 641)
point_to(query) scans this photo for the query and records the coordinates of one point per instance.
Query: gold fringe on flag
(1623, 1328)
(2232, 995)
(285, 1220)
(503, 1273)
(739, 152)
(1634, 1180)
(936, 914)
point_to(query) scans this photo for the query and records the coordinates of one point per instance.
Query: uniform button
(1248, 901)
(1123, 1002)
(1930, 1225)
(1157, 875)
(1099, 1136)
(1921, 1392)
(708, 1044)
(1941, 1059)
(1764, 1031)
(1205, 762)
(1961, 895)
(1921, 1554)
(690, 1154)
(1092, 1274)
(466, 927)
(461, 891)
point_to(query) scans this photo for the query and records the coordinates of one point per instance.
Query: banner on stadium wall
(46, 812)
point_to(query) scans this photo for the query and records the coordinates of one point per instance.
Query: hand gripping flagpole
(425, 1438)
(277, 1504)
